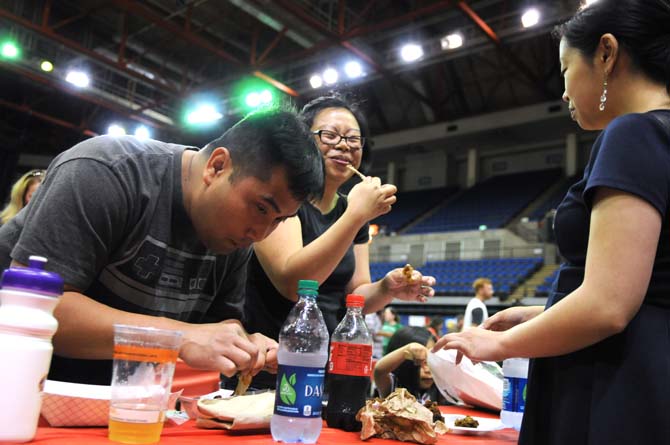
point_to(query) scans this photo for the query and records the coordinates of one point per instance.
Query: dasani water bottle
(302, 357)
(515, 371)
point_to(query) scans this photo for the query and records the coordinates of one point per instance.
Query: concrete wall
(405, 247)
(521, 162)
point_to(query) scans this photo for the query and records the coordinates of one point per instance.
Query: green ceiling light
(47, 66)
(253, 94)
(257, 99)
(10, 50)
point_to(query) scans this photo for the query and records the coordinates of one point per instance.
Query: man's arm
(223, 346)
(477, 317)
(86, 331)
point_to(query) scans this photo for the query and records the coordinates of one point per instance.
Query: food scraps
(243, 382)
(407, 273)
(467, 422)
(399, 416)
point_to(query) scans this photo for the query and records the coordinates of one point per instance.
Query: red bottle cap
(354, 300)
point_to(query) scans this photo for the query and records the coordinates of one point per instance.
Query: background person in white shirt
(475, 312)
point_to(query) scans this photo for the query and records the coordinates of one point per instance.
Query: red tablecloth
(193, 382)
(187, 434)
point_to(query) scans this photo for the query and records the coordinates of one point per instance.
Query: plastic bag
(477, 385)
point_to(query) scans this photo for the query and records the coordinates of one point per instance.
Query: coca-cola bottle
(349, 367)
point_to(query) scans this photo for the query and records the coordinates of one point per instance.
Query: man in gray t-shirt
(156, 234)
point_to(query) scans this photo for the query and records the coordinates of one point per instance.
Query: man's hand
(227, 348)
(267, 353)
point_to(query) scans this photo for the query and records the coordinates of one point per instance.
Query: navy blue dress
(618, 390)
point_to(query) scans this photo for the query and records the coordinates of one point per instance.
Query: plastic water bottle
(349, 367)
(515, 371)
(302, 356)
(28, 296)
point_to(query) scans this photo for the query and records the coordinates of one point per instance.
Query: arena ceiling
(151, 60)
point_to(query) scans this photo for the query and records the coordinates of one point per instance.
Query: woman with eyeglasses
(22, 191)
(328, 239)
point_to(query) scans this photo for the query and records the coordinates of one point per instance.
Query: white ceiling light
(116, 130)
(253, 99)
(316, 81)
(142, 132)
(452, 41)
(78, 78)
(411, 52)
(353, 69)
(266, 97)
(203, 113)
(530, 18)
(589, 2)
(330, 76)
(46, 66)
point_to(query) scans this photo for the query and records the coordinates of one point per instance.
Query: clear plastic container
(515, 371)
(302, 357)
(28, 296)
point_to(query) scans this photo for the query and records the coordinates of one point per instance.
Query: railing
(528, 251)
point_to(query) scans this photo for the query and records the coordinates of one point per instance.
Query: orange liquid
(135, 432)
(125, 432)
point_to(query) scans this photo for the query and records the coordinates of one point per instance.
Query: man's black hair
(272, 138)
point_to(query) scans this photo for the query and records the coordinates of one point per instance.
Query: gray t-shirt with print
(110, 219)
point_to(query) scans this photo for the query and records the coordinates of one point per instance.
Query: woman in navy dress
(601, 346)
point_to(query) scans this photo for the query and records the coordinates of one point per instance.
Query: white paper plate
(190, 404)
(485, 425)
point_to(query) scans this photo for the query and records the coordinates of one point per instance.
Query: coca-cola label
(299, 391)
(350, 359)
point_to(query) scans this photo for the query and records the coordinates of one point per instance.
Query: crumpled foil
(399, 417)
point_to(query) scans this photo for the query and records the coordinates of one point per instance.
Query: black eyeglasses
(331, 138)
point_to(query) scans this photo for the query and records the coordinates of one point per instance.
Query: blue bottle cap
(33, 278)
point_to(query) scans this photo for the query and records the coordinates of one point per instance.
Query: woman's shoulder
(635, 123)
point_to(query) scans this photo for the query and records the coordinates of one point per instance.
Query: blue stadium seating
(493, 202)
(553, 200)
(412, 204)
(543, 289)
(455, 277)
(378, 270)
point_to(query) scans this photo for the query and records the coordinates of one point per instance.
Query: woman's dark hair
(642, 28)
(408, 374)
(339, 100)
(436, 323)
(396, 318)
(275, 137)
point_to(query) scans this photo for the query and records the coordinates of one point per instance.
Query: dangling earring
(603, 98)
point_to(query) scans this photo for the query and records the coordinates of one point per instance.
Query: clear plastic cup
(144, 363)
